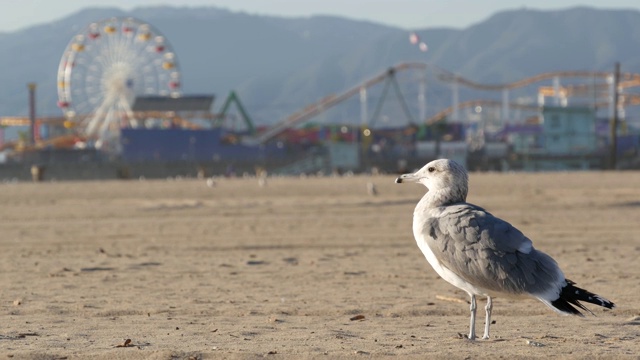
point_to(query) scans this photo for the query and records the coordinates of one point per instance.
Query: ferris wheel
(106, 66)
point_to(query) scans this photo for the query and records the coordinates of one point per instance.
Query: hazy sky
(410, 14)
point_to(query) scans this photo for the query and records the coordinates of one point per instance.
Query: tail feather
(570, 296)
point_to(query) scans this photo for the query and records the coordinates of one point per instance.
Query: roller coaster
(597, 90)
(597, 86)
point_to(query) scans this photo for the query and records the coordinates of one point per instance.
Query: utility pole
(613, 129)
(32, 113)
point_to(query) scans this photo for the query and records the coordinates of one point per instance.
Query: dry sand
(242, 271)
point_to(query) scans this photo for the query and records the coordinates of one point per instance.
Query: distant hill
(278, 65)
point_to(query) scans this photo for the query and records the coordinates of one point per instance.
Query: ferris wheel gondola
(105, 67)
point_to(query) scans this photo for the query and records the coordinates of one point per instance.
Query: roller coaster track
(473, 103)
(627, 79)
(327, 102)
(629, 100)
(309, 111)
(585, 89)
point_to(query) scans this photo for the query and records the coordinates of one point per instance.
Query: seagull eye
(431, 169)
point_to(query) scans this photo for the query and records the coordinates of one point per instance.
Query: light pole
(613, 129)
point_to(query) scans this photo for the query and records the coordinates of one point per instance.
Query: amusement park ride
(105, 69)
(106, 66)
(111, 64)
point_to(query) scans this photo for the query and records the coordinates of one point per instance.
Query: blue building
(206, 145)
(566, 138)
(569, 131)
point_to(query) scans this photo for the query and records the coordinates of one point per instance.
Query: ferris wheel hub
(118, 79)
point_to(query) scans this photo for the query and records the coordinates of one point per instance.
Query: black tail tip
(571, 296)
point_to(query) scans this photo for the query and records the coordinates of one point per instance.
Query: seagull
(483, 254)
(262, 181)
(372, 189)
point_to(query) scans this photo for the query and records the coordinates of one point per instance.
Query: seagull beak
(407, 178)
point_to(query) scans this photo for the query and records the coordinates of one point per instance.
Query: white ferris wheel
(106, 66)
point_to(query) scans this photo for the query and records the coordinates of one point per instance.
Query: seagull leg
(472, 325)
(487, 320)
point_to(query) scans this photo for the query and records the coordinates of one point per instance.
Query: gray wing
(489, 252)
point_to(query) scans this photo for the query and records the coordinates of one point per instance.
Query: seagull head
(440, 175)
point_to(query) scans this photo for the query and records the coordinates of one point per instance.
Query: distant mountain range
(278, 65)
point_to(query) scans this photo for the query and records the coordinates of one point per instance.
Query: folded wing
(489, 252)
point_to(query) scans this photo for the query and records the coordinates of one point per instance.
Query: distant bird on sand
(371, 189)
(482, 254)
(262, 181)
(211, 183)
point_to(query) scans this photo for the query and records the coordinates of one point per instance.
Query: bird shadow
(92, 269)
(627, 204)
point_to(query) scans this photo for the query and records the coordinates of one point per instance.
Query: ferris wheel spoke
(106, 66)
(126, 109)
(109, 118)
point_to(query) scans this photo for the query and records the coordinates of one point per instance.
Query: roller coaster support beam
(422, 97)
(556, 91)
(505, 105)
(364, 117)
(403, 102)
(391, 80)
(456, 100)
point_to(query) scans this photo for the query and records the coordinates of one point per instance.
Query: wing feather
(489, 252)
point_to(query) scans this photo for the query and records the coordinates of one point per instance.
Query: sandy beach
(300, 268)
